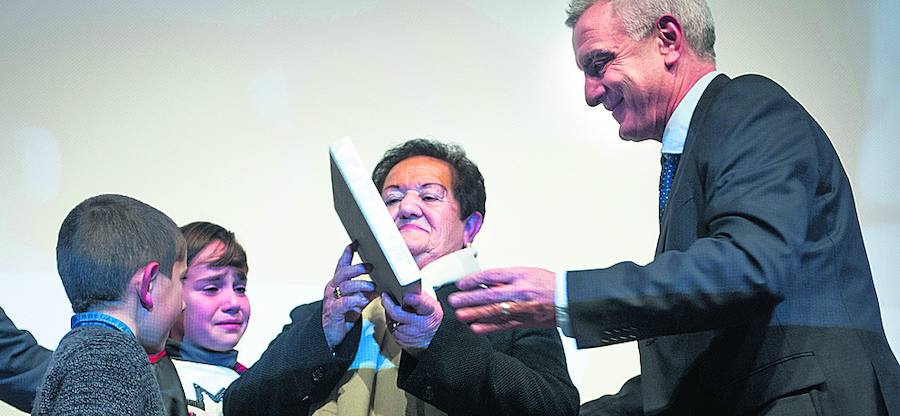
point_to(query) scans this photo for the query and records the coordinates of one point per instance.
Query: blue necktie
(669, 164)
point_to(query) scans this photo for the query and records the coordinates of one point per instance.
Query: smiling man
(760, 299)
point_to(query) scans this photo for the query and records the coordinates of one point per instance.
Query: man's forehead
(597, 42)
(597, 22)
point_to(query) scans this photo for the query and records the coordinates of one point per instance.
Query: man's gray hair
(639, 19)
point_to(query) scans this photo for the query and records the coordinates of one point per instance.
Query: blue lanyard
(99, 319)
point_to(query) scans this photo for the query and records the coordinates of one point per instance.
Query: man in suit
(760, 298)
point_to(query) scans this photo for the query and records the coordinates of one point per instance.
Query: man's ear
(472, 226)
(671, 38)
(148, 276)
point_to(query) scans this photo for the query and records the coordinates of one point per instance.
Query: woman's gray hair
(639, 18)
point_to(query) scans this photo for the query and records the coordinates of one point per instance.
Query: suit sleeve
(514, 373)
(296, 370)
(730, 259)
(22, 364)
(627, 402)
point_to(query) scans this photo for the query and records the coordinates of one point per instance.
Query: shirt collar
(99, 319)
(450, 268)
(677, 127)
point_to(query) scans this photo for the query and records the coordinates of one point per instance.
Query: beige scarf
(372, 389)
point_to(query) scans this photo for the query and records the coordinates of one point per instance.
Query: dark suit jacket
(521, 372)
(22, 364)
(760, 288)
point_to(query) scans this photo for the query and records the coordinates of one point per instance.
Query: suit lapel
(687, 155)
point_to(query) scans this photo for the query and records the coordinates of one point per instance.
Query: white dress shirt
(672, 142)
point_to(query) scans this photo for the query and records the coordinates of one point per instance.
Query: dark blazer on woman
(520, 372)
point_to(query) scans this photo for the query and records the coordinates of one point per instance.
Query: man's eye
(210, 289)
(430, 197)
(597, 68)
(240, 289)
(391, 201)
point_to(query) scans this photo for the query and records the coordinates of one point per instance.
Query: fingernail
(368, 267)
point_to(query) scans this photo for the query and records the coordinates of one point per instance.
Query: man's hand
(497, 299)
(414, 330)
(344, 298)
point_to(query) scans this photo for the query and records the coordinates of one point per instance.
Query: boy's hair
(199, 234)
(106, 239)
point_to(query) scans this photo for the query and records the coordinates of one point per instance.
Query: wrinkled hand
(497, 299)
(413, 331)
(339, 313)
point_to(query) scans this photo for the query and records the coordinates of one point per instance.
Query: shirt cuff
(561, 299)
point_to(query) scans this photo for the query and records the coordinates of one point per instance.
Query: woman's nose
(409, 206)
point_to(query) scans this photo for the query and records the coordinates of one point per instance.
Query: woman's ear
(472, 226)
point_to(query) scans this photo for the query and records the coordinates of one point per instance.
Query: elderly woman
(354, 353)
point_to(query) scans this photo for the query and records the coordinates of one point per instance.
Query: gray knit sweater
(99, 371)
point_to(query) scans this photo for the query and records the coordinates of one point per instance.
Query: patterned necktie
(669, 164)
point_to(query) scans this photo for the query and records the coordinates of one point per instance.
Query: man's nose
(593, 90)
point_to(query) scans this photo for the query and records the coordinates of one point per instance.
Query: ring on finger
(337, 292)
(504, 308)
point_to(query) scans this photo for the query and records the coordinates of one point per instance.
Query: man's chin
(632, 137)
(630, 133)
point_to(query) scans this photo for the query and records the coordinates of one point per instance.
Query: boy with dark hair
(121, 262)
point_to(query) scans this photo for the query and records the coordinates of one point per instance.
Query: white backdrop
(223, 112)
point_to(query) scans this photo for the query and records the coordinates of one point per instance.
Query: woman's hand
(344, 298)
(414, 330)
